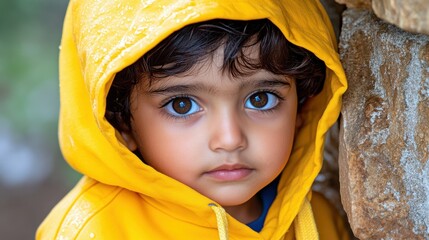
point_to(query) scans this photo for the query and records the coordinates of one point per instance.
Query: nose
(227, 133)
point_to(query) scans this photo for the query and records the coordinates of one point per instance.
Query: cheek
(274, 142)
(167, 148)
(274, 136)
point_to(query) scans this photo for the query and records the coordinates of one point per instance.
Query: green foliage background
(29, 40)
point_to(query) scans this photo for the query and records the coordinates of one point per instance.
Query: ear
(130, 140)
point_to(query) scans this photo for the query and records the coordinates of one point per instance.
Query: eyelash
(277, 94)
(165, 103)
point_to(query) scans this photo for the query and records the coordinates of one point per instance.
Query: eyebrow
(270, 83)
(265, 83)
(180, 88)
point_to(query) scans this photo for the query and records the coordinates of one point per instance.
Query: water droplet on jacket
(91, 235)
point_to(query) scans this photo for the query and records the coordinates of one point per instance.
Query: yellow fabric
(305, 225)
(328, 220)
(122, 198)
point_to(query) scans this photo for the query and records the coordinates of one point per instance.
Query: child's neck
(246, 212)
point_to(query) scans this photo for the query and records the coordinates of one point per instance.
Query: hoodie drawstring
(222, 222)
(305, 226)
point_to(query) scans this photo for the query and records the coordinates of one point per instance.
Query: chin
(231, 200)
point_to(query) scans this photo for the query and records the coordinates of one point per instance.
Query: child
(196, 119)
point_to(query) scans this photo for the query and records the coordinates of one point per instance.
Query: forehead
(243, 65)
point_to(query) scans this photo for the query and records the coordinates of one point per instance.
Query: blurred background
(33, 175)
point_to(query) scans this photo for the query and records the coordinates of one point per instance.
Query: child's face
(225, 137)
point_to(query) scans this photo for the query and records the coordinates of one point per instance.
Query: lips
(225, 173)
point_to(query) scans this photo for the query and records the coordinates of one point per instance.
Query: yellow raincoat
(120, 197)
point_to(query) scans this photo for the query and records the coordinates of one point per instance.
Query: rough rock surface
(384, 137)
(411, 15)
(366, 4)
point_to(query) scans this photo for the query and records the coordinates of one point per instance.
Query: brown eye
(262, 101)
(259, 100)
(182, 105)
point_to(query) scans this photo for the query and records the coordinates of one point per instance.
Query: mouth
(228, 173)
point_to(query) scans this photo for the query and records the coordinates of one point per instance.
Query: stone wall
(411, 15)
(384, 133)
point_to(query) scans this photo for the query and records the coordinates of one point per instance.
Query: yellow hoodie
(120, 197)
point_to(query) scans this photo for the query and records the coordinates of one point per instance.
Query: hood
(102, 38)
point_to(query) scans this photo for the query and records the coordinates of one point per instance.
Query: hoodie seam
(66, 214)
(92, 211)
